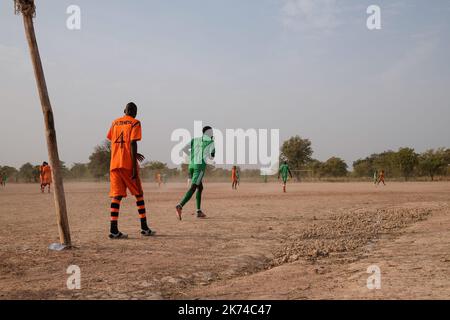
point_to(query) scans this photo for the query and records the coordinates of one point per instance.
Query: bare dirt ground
(315, 242)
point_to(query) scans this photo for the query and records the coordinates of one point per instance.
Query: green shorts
(196, 175)
(284, 178)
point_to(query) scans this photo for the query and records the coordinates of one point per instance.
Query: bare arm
(135, 157)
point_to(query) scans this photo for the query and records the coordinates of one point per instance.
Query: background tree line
(404, 163)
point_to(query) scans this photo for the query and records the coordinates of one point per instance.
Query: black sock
(114, 229)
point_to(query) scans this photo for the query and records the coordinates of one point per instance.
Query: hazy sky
(306, 67)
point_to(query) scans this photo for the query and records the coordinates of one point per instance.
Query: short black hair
(45, 163)
(206, 128)
(131, 107)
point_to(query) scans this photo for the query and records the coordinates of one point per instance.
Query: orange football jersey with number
(123, 130)
(46, 174)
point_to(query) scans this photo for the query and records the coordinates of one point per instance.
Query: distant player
(284, 171)
(375, 177)
(234, 178)
(381, 178)
(199, 150)
(158, 179)
(4, 180)
(124, 134)
(45, 176)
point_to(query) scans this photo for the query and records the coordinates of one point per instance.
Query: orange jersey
(233, 175)
(46, 174)
(123, 130)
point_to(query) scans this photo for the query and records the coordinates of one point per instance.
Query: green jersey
(201, 149)
(284, 170)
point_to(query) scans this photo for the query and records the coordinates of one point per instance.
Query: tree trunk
(60, 200)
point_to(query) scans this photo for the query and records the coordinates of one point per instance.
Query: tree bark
(50, 133)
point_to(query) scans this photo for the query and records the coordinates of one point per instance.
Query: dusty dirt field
(315, 242)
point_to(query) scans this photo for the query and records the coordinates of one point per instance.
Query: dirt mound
(346, 232)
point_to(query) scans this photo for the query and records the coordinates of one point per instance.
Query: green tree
(297, 152)
(79, 171)
(36, 173)
(152, 167)
(26, 172)
(155, 165)
(407, 160)
(386, 161)
(334, 167)
(64, 170)
(363, 168)
(432, 162)
(99, 160)
(315, 166)
(8, 172)
(447, 156)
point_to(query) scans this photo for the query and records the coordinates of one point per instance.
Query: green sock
(187, 197)
(198, 198)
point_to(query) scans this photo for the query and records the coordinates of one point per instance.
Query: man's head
(208, 131)
(44, 163)
(131, 109)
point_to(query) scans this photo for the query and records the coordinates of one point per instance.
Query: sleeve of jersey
(136, 132)
(109, 135)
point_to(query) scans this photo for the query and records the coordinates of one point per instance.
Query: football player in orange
(158, 179)
(124, 134)
(381, 178)
(234, 178)
(45, 175)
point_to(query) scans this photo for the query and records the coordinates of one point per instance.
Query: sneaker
(179, 211)
(119, 235)
(148, 233)
(201, 215)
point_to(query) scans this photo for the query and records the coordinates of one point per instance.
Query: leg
(185, 199)
(188, 195)
(197, 177)
(115, 208)
(200, 213)
(198, 197)
(140, 203)
(116, 193)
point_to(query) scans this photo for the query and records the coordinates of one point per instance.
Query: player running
(234, 178)
(284, 171)
(158, 179)
(381, 178)
(375, 177)
(45, 175)
(199, 150)
(4, 180)
(124, 134)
